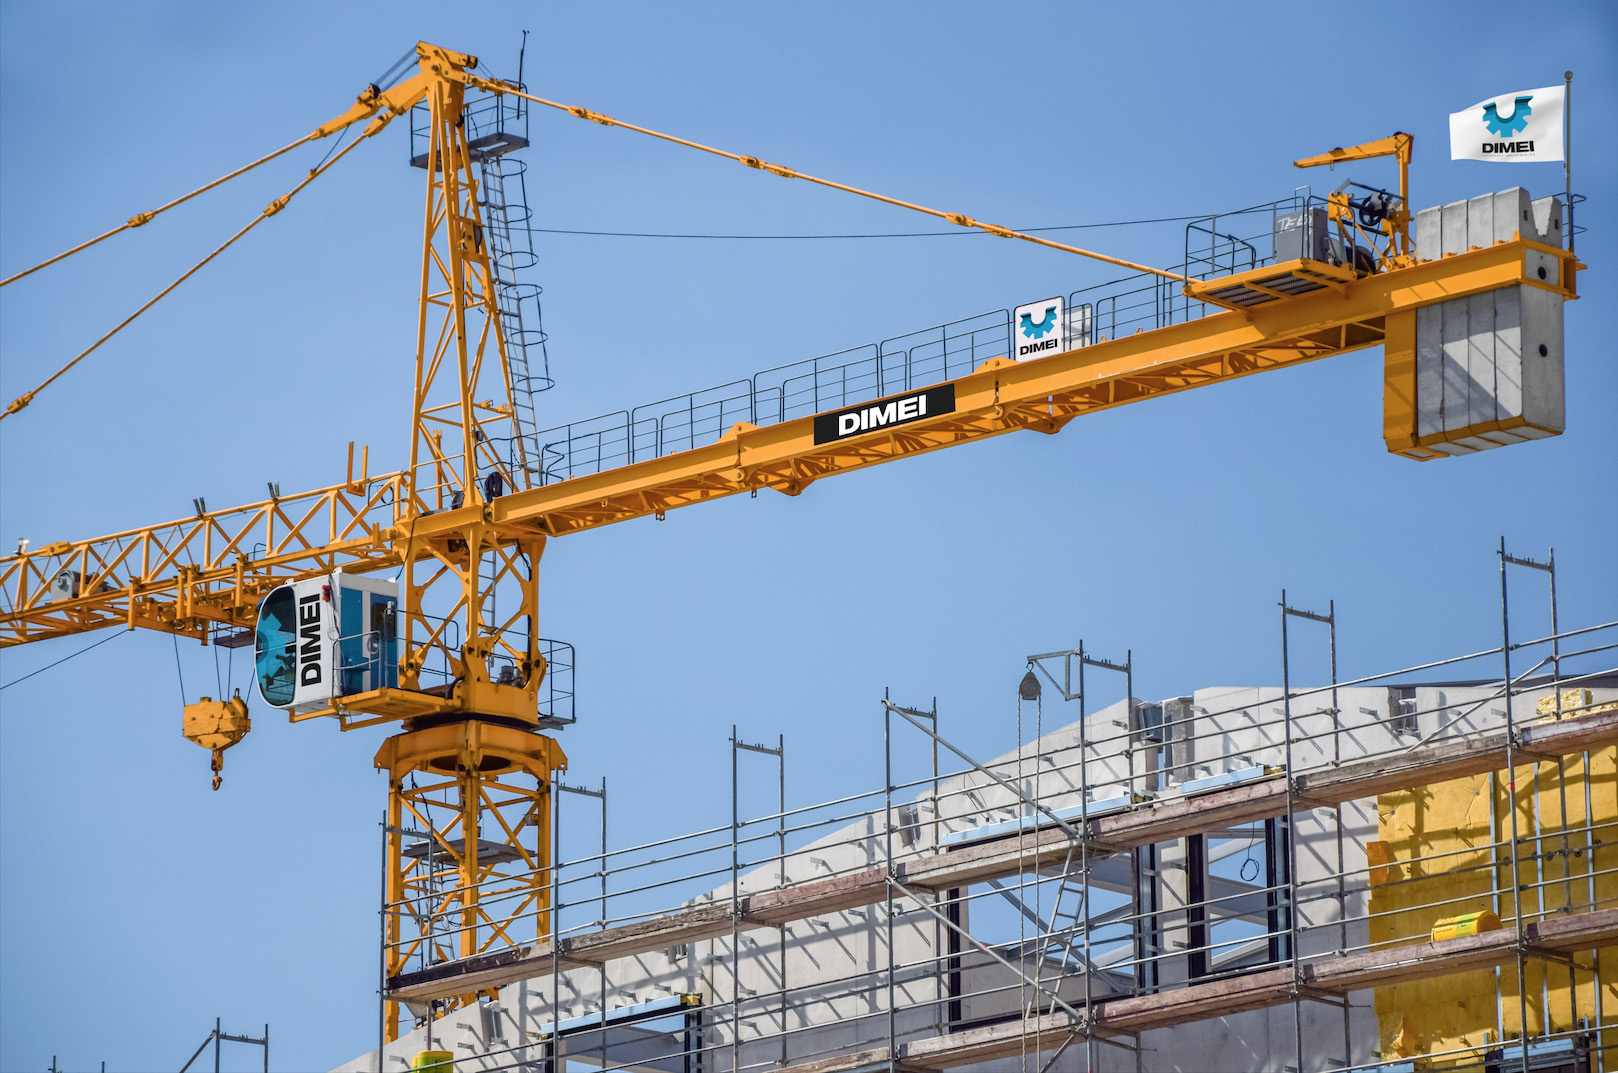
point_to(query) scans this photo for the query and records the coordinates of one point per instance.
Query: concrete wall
(836, 965)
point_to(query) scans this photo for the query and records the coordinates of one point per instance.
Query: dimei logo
(1043, 328)
(1505, 128)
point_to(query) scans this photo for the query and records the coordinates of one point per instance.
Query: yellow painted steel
(378, 106)
(480, 793)
(187, 575)
(216, 725)
(1393, 243)
(433, 1062)
(1442, 867)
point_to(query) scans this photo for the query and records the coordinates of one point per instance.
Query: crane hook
(216, 725)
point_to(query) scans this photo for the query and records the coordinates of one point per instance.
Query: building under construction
(1412, 870)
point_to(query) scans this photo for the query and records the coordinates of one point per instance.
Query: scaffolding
(1279, 859)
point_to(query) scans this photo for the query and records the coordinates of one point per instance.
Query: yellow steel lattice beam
(180, 575)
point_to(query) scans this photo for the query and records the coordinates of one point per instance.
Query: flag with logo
(1512, 128)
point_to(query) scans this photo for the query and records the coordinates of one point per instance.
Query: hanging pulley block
(216, 725)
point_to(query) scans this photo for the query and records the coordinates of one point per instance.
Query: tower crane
(410, 598)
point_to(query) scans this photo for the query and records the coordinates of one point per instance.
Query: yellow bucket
(1465, 924)
(436, 1061)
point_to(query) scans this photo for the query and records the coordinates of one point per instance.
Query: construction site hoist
(411, 597)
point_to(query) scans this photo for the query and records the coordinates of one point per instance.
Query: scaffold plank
(1177, 817)
(524, 963)
(1158, 822)
(816, 897)
(1195, 1002)
(1271, 987)
(989, 1043)
(872, 1060)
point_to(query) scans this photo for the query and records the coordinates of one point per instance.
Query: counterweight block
(1482, 370)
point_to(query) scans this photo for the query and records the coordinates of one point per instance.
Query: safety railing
(367, 660)
(1238, 740)
(494, 123)
(1022, 944)
(1214, 246)
(845, 378)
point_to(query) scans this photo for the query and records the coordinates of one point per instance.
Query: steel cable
(891, 234)
(142, 218)
(64, 659)
(269, 210)
(959, 219)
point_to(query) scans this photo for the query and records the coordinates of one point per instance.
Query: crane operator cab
(324, 638)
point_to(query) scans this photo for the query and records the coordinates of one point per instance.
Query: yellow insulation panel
(1442, 852)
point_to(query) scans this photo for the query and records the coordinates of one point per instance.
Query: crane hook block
(216, 725)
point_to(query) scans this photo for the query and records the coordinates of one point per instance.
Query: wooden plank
(1180, 816)
(1258, 990)
(1416, 961)
(508, 966)
(1576, 931)
(1445, 760)
(987, 860)
(988, 1043)
(1572, 735)
(1160, 822)
(872, 1060)
(816, 898)
(474, 974)
(659, 933)
(1195, 1002)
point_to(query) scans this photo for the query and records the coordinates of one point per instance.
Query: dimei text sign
(1039, 328)
(884, 413)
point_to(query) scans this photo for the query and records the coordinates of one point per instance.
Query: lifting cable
(64, 659)
(269, 210)
(142, 218)
(956, 218)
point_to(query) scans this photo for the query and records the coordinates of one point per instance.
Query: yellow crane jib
(216, 725)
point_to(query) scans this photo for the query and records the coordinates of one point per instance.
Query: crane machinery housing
(410, 598)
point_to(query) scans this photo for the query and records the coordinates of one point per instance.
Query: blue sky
(136, 905)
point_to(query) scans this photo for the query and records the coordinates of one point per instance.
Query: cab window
(275, 647)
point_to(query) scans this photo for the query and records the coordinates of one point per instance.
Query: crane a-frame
(449, 648)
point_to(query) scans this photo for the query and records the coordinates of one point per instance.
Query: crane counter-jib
(182, 576)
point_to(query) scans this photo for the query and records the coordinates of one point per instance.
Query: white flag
(1514, 128)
